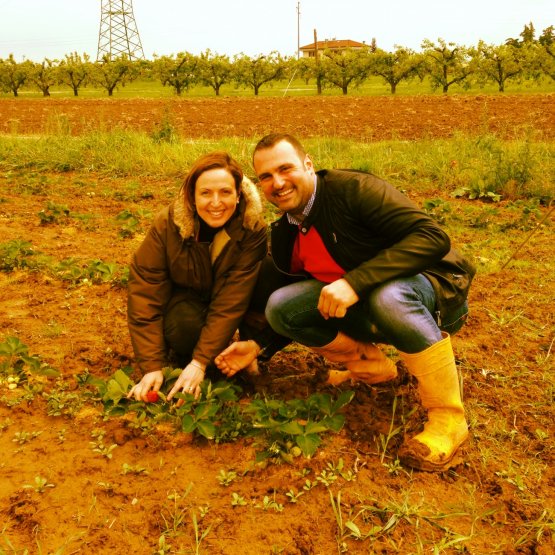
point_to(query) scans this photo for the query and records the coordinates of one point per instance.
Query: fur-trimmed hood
(250, 204)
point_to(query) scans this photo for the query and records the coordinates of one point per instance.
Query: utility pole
(317, 59)
(298, 30)
(118, 34)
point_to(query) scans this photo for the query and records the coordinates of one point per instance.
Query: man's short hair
(273, 139)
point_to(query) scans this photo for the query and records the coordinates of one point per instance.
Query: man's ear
(308, 163)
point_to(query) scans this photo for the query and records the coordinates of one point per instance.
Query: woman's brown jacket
(171, 264)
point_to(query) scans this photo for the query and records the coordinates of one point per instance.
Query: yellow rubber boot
(364, 361)
(435, 449)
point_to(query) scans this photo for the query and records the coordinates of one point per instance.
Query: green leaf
(334, 423)
(206, 410)
(344, 399)
(308, 443)
(293, 428)
(353, 528)
(123, 380)
(316, 427)
(188, 424)
(322, 401)
(49, 372)
(206, 429)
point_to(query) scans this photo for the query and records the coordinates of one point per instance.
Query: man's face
(286, 180)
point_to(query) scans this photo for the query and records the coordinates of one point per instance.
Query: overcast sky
(36, 29)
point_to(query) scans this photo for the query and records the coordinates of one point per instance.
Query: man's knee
(275, 309)
(389, 296)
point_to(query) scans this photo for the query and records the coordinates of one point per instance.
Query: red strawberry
(152, 397)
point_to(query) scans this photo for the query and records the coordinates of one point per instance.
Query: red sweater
(310, 255)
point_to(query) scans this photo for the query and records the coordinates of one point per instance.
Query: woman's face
(215, 196)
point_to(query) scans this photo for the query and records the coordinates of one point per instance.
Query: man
(365, 266)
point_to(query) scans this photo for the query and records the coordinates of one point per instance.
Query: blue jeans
(401, 313)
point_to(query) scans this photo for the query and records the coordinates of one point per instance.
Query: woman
(191, 279)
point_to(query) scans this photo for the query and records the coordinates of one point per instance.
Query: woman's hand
(189, 381)
(237, 356)
(150, 381)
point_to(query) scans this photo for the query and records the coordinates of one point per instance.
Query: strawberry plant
(132, 221)
(205, 415)
(285, 429)
(15, 254)
(297, 424)
(15, 360)
(53, 213)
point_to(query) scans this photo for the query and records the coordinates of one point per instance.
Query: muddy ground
(159, 492)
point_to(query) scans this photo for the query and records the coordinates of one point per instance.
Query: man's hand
(336, 298)
(150, 381)
(237, 357)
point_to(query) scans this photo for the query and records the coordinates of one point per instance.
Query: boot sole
(413, 460)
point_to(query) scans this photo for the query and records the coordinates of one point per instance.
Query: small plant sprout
(270, 503)
(203, 510)
(237, 500)
(225, 478)
(106, 486)
(293, 495)
(392, 432)
(129, 469)
(40, 484)
(199, 535)
(326, 478)
(347, 475)
(163, 547)
(98, 445)
(23, 437)
(308, 484)
(5, 424)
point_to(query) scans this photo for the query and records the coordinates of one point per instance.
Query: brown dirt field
(499, 499)
(359, 118)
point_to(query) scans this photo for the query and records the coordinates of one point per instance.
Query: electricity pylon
(118, 31)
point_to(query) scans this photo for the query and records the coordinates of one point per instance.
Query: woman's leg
(182, 326)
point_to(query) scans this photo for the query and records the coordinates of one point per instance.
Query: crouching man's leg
(292, 311)
(403, 313)
(435, 448)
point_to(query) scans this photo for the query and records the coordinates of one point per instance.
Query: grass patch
(476, 167)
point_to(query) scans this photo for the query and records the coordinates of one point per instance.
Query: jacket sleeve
(149, 291)
(409, 240)
(231, 296)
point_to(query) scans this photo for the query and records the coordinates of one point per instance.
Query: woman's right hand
(150, 381)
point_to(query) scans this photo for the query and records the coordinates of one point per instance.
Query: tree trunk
(393, 88)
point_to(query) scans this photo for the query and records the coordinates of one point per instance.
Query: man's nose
(278, 180)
